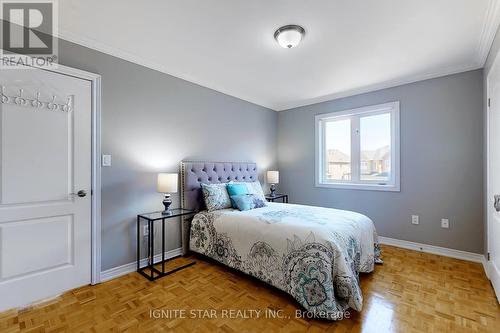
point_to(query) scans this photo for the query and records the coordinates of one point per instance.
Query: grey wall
(495, 49)
(441, 162)
(150, 122)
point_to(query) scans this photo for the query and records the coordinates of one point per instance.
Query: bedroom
(387, 127)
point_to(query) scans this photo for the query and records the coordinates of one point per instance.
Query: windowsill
(363, 187)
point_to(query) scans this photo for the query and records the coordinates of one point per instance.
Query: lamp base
(166, 202)
(273, 190)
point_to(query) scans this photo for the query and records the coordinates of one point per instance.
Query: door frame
(95, 193)
(487, 187)
(491, 271)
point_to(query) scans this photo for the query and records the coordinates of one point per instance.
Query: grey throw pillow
(215, 196)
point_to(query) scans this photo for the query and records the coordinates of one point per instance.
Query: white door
(493, 178)
(45, 156)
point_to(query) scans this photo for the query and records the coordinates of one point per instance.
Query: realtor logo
(28, 29)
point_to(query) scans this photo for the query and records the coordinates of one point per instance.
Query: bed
(314, 254)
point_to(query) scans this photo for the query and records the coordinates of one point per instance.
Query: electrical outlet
(145, 230)
(445, 223)
(106, 160)
(414, 219)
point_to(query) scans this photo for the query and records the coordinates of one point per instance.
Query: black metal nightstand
(151, 218)
(273, 198)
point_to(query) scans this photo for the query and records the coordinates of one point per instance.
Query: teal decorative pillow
(215, 196)
(248, 201)
(236, 189)
(256, 189)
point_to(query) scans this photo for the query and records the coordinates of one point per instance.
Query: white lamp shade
(273, 177)
(167, 182)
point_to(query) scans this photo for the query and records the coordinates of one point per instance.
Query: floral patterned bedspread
(314, 254)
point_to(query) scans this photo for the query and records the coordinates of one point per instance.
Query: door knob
(496, 203)
(81, 193)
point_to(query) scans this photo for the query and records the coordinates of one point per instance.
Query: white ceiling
(351, 46)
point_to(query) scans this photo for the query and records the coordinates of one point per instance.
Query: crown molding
(130, 57)
(490, 27)
(122, 54)
(381, 85)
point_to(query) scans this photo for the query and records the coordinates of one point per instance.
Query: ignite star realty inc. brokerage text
(232, 314)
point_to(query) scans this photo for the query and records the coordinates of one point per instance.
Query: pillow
(248, 201)
(215, 196)
(256, 189)
(236, 189)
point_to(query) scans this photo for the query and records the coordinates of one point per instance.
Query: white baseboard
(494, 275)
(486, 267)
(442, 251)
(492, 272)
(132, 267)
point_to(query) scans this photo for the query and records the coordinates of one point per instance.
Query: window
(359, 148)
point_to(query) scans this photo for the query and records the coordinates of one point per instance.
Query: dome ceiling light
(289, 36)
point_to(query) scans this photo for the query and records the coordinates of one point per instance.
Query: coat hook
(52, 105)
(66, 107)
(36, 103)
(19, 99)
(4, 98)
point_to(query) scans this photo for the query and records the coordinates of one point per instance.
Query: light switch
(106, 160)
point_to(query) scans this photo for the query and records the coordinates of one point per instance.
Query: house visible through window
(359, 148)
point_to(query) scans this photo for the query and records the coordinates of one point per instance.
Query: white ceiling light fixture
(289, 36)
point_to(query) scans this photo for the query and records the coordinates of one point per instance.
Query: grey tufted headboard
(194, 173)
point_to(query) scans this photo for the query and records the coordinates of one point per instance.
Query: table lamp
(167, 184)
(273, 178)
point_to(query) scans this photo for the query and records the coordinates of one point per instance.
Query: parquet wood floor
(411, 292)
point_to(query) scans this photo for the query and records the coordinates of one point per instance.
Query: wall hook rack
(35, 102)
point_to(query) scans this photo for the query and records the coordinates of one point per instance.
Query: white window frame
(354, 115)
